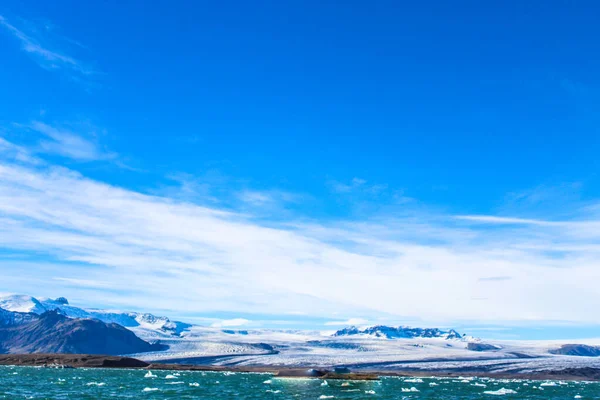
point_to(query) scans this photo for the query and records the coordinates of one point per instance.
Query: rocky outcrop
(473, 346)
(580, 350)
(71, 361)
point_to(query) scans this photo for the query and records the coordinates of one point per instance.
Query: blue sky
(268, 160)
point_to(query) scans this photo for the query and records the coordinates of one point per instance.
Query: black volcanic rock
(581, 350)
(52, 332)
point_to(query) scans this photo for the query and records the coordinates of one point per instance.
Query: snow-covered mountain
(10, 318)
(401, 332)
(139, 322)
(382, 346)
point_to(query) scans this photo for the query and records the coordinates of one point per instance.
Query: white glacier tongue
(401, 332)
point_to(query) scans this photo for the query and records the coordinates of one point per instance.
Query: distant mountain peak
(61, 300)
(401, 332)
(144, 321)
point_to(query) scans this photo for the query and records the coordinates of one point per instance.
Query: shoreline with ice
(99, 361)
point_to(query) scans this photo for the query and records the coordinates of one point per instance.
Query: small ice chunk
(500, 392)
(412, 389)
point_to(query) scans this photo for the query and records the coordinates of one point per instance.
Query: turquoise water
(51, 384)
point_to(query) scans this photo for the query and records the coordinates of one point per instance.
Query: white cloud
(349, 322)
(256, 197)
(340, 187)
(45, 56)
(17, 153)
(269, 198)
(490, 219)
(231, 323)
(68, 144)
(84, 282)
(155, 253)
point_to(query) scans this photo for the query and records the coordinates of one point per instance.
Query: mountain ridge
(400, 332)
(52, 332)
(29, 304)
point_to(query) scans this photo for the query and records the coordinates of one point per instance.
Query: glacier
(378, 347)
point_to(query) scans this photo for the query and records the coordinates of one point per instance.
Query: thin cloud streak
(489, 219)
(69, 144)
(43, 55)
(348, 322)
(229, 323)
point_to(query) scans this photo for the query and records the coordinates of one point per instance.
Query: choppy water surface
(44, 383)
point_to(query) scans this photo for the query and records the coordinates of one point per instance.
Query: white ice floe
(500, 392)
(149, 374)
(149, 389)
(412, 389)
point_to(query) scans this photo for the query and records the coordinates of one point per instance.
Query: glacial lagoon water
(54, 384)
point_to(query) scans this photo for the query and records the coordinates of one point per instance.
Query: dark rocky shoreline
(99, 361)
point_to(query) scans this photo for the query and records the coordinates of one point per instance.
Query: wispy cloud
(155, 252)
(84, 282)
(66, 143)
(491, 219)
(256, 197)
(341, 187)
(359, 189)
(269, 198)
(495, 279)
(231, 323)
(48, 57)
(349, 322)
(17, 153)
